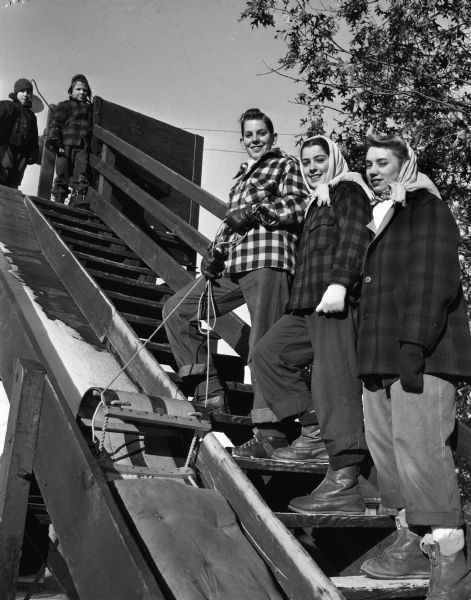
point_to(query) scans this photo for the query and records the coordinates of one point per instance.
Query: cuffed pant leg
(61, 181)
(79, 179)
(266, 292)
(379, 436)
(336, 387)
(422, 425)
(188, 345)
(276, 363)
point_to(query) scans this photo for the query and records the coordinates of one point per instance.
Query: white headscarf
(337, 171)
(411, 179)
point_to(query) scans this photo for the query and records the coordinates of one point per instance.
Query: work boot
(215, 402)
(260, 446)
(450, 578)
(57, 197)
(404, 559)
(338, 493)
(307, 448)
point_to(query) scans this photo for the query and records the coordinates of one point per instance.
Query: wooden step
(134, 284)
(360, 587)
(130, 415)
(111, 264)
(63, 208)
(101, 251)
(89, 225)
(292, 520)
(154, 304)
(147, 321)
(96, 238)
(115, 471)
(276, 466)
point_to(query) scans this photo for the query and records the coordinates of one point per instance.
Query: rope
(37, 89)
(102, 401)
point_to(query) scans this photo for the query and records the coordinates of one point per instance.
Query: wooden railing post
(17, 467)
(48, 163)
(105, 189)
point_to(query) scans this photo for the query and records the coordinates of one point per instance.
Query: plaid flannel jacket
(332, 246)
(71, 123)
(274, 180)
(412, 293)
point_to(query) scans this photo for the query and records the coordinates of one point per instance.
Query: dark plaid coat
(412, 292)
(71, 123)
(274, 180)
(332, 246)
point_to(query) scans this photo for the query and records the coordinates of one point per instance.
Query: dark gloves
(55, 145)
(242, 220)
(411, 367)
(212, 267)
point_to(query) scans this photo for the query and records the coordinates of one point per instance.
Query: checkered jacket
(412, 293)
(71, 123)
(275, 180)
(332, 246)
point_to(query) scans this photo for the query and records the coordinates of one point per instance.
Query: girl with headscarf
(413, 346)
(319, 328)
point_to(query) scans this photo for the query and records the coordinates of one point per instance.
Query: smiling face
(382, 168)
(257, 138)
(315, 162)
(80, 91)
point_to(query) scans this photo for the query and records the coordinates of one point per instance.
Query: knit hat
(20, 85)
(82, 78)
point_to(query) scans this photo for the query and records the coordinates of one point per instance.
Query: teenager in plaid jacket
(69, 134)
(414, 344)
(266, 206)
(319, 328)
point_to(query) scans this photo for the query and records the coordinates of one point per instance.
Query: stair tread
(90, 234)
(81, 223)
(163, 288)
(139, 301)
(360, 587)
(140, 319)
(292, 519)
(61, 207)
(101, 249)
(268, 464)
(114, 264)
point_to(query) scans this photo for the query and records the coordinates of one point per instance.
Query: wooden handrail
(186, 187)
(167, 217)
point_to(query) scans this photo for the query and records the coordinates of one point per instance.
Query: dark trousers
(408, 437)
(329, 343)
(12, 166)
(266, 292)
(71, 170)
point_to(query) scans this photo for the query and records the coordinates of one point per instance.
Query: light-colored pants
(408, 436)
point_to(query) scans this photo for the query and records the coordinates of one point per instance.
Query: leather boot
(339, 493)
(404, 559)
(307, 448)
(215, 403)
(450, 578)
(260, 446)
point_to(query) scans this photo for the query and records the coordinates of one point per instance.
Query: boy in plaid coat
(69, 134)
(414, 345)
(319, 327)
(267, 209)
(18, 134)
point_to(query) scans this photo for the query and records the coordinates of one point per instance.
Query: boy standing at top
(69, 134)
(18, 134)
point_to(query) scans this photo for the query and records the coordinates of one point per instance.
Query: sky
(190, 63)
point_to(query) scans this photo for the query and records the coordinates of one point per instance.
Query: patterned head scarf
(337, 171)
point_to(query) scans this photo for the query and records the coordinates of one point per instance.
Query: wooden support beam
(296, 572)
(93, 535)
(17, 468)
(186, 187)
(48, 163)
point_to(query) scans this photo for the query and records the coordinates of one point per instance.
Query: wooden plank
(105, 189)
(296, 572)
(361, 587)
(101, 554)
(106, 262)
(173, 222)
(277, 466)
(48, 162)
(155, 257)
(115, 471)
(17, 468)
(153, 418)
(338, 521)
(189, 189)
(180, 150)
